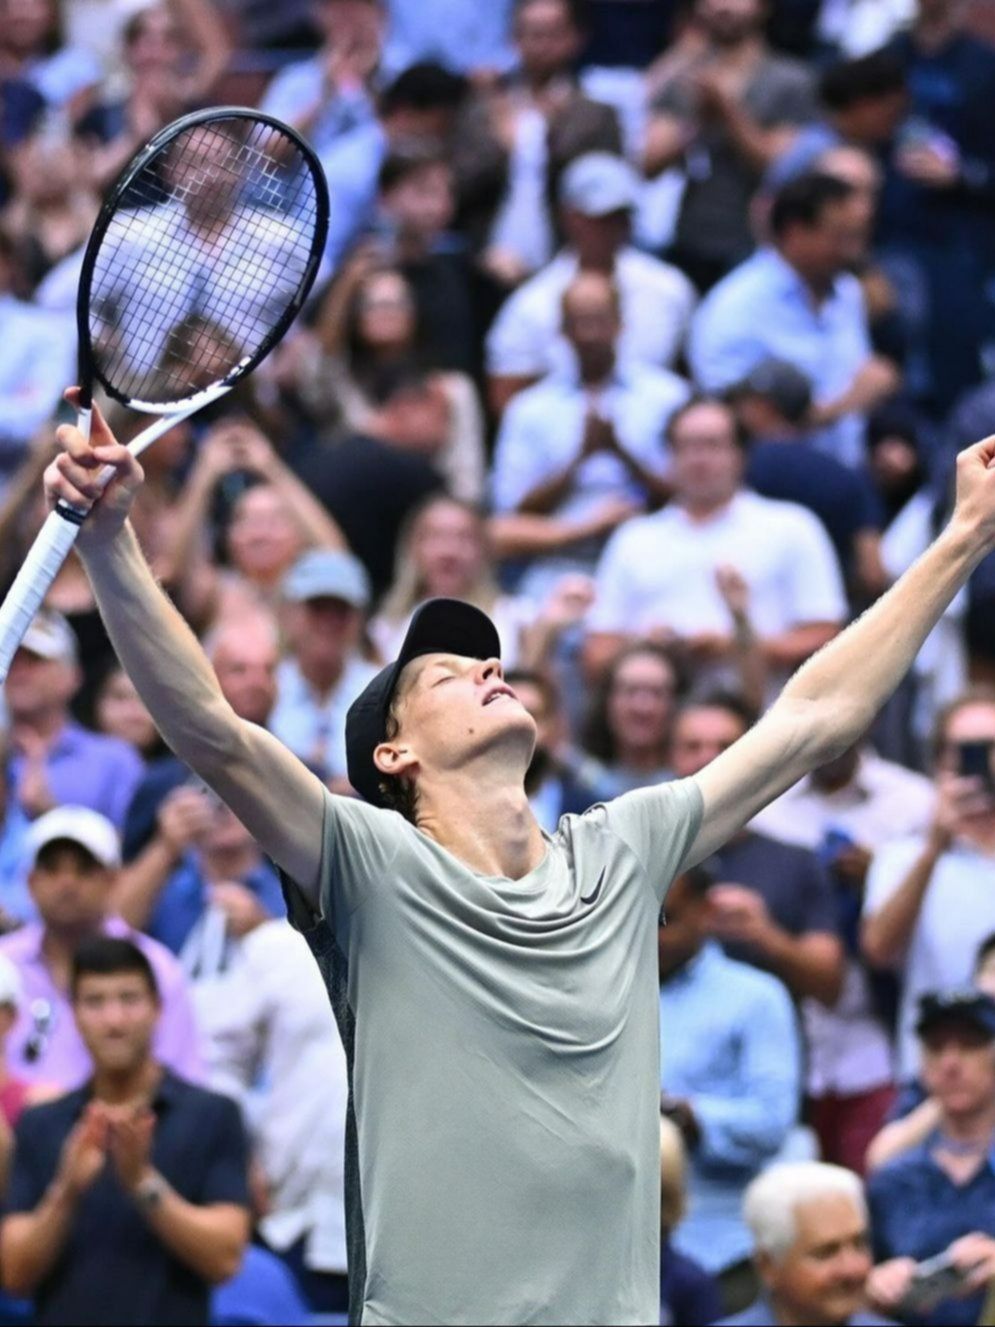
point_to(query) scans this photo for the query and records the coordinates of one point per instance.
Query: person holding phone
(930, 898)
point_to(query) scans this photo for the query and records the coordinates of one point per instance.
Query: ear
(394, 758)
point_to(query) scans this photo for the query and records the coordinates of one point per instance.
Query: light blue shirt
(37, 364)
(313, 727)
(352, 166)
(462, 34)
(764, 310)
(729, 1047)
(300, 86)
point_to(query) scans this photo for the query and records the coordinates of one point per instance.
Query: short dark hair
(409, 159)
(578, 11)
(848, 82)
(425, 86)
(405, 378)
(729, 701)
(597, 739)
(702, 398)
(108, 956)
(803, 201)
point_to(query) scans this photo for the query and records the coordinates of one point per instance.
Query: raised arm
(832, 699)
(276, 798)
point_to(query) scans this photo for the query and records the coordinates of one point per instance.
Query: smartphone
(933, 1280)
(974, 761)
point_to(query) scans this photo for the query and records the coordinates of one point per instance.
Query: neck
(745, 51)
(501, 837)
(43, 723)
(700, 509)
(230, 863)
(642, 758)
(322, 678)
(58, 945)
(605, 265)
(971, 1127)
(792, 1315)
(679, 964)
(593, 374)
(122, 1085)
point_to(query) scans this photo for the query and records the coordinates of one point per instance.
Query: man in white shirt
(326, 595)
(658, 574)
(848, 811)
(598, 192)
(930, 898)
(584, 447)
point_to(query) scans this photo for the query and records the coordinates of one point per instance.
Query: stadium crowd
(652, 327)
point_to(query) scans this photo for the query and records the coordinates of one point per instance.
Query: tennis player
(496, 987)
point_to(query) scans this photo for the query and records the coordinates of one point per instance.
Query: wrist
(148, 1189)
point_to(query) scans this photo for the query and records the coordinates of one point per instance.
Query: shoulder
(536, 401)
(775, 514)
(656, 385)
(786, 73)
(904, 1172)
(641, 532)
(641, 272)
(757, 273)
(540, 292)
(50, 1118)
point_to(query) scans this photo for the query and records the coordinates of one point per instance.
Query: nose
(488, 669)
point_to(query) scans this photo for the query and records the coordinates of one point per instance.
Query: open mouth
(503, 694)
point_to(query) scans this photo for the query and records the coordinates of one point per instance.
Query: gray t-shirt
(503, 1043)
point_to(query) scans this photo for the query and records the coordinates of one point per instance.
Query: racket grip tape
(37, 573)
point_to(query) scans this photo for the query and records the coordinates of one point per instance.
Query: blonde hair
(407, 590)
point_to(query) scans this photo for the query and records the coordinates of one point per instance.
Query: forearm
(31, 1242)
(139, 884)
(208, 1240)
(809, 965)
(547, 496)
(901, 1135)
(520, 535)
(849, 680)
(179, 555)
(886, 934)
(757, 146)
(316, 524)
(750, 661)
(161, 655)
(207, 33)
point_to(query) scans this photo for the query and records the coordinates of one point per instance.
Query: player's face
(822, 1276)
(454, 710)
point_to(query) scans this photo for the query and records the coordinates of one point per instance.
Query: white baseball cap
(51, 637)
(78, 824)
(11, 987)
(598, 184)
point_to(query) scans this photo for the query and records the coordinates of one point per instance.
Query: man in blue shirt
(940, 1197)
(730, 1072)
(128, 1198)
(796, 301)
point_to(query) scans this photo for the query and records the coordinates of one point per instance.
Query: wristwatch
(149, 1193)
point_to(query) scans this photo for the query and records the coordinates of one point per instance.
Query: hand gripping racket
(199, 261)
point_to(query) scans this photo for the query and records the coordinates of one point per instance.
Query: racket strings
(206, 253)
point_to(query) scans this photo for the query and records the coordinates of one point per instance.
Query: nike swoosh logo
(593, 896)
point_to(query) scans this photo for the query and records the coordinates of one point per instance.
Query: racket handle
(39, 570)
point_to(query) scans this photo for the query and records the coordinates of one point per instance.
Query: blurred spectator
(16, 1093)
(74, 858)
(263, 1291)
(369, 322)
(244, 653)
(597, 194)
(271, 1043)
(730, 1079)
(856, 27)
(219, 888)
(372, 480)
(687, 1292)
(940, 1197)
(128, 1198)
(173, 54)
(725, 110)
(120, 712)
(16, 905)
(664, 573)
(863, 102)
(812, 1248)
(772, 405)
(52, 209)
(326, 596)
(461, 34)
(32, 49)
(930, 898)
(846, 811)
(20, 109)
(519, 135)
(37, 362)
(632, 708)
(939, 206)
(585, 446)
(916, 1115)
(329, 94)
(272, 521)
(797, 301)
(421, 105)
(773, 905)
(54, 760)
(558, 783)
(444, 552)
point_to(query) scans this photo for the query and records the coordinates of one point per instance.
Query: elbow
(875, 946)
(225, 1264)
(16, 1277)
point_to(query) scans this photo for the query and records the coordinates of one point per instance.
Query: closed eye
(447, 678)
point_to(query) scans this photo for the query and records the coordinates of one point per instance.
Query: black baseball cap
(440, 626)
(961, 1006)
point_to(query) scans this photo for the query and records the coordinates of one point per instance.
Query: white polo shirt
(657, 303)
(957, 913)
(659, 570)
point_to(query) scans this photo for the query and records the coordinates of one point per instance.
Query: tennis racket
(199, 261)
